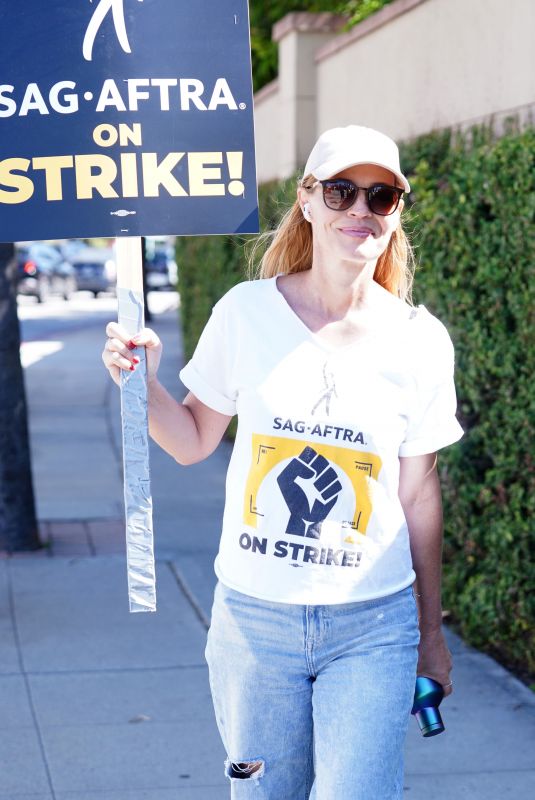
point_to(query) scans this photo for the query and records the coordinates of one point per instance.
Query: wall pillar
(299, 36)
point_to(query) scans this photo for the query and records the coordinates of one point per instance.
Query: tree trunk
(18, 525)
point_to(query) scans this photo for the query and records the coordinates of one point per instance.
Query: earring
(306, 212)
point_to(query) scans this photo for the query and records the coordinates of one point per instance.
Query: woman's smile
(357, 232)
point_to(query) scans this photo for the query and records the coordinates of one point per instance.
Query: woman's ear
(302, 196)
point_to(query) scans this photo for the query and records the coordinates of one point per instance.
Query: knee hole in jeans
(242, 770)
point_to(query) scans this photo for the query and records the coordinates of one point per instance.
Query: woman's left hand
(434, 659)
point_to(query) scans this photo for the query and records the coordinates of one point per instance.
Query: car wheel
(43, 290)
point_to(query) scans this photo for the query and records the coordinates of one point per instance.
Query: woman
(343, 392)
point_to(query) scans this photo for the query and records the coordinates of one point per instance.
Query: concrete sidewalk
(98, 704)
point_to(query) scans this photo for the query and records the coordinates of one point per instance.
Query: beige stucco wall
(266, 120)
(443, 63)
(285, 111)
(415, 66)
(297, 110)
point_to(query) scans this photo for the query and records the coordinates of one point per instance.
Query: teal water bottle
(427, 698)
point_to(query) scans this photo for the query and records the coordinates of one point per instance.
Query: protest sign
(127, 118)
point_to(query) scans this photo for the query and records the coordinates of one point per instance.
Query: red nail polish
(132, 368)
(136, 360)
(131, 345)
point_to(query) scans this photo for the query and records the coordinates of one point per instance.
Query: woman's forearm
(422, 506)
(172, 425)
(188, 431)
(425, 533)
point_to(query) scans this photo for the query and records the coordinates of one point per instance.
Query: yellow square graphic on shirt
(319, 462)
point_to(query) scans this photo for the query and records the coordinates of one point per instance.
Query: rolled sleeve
(206, 393)
(432, 423)
(208, 375)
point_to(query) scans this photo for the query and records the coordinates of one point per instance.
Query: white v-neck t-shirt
(312, 513)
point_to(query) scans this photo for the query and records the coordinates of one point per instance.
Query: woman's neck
(339, 289)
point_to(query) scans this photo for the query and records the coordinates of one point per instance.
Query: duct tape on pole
(135, 430)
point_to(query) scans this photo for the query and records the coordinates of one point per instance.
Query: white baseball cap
(340, 148)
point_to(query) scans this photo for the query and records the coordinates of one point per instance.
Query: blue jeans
(313, 701)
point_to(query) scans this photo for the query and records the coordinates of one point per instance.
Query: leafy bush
(471, 212)
(473, 215)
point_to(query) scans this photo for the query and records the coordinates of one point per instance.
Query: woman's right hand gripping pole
(188, 431)
(119, 351)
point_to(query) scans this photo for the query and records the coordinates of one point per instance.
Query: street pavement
(100, 704)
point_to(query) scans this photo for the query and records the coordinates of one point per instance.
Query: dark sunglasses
(340, 194)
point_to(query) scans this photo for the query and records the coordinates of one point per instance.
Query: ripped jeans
(313, 701)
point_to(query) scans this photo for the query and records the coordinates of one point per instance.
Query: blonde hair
(288, 249)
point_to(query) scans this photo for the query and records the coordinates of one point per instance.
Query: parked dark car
(96, 270)
(42, 271)
(161, 269)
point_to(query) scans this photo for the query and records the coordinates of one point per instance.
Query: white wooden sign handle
(137, 494)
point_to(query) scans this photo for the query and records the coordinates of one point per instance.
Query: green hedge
(471, 213)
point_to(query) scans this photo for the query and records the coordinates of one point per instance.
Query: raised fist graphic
(306, 517)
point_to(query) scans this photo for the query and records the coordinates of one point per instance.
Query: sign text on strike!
(134, 175)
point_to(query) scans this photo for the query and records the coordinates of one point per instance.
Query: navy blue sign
(125, 117)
